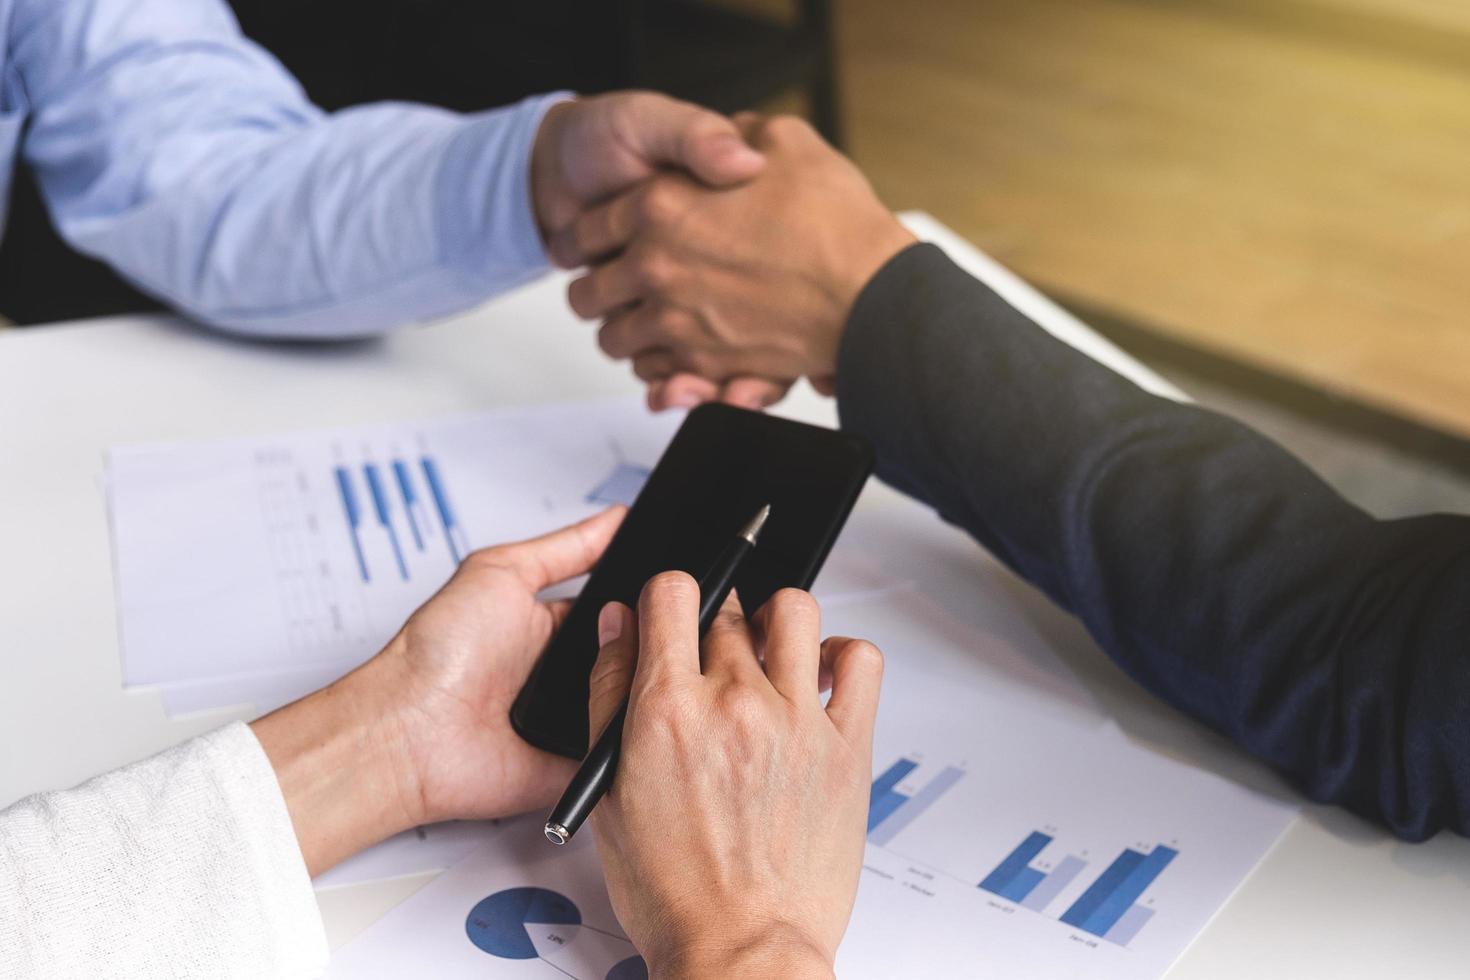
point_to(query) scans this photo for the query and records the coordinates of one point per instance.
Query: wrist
(551, 202)
(864, 253)
(777, 952)
(342, 765)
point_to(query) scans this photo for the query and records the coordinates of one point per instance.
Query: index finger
(668, 631)
(598, 231)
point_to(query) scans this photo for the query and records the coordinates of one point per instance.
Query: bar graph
(1053, 882)
(454, 533)
(385, 503)
(417, 524)
(385, 520)
(352, 513)
(890, 810)
(1109, 906)
(1014, 878)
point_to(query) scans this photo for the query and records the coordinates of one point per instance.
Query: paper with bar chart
(255, 570)
(1014, 834)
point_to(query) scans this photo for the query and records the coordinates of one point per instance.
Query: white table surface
(1336, 898)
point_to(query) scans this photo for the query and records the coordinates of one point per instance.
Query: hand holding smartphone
(722, 465)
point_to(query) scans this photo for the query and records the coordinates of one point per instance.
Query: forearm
(181, 865)
(340, 759)
(1210, 564)
(188, 159)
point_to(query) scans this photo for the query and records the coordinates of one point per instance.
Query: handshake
(722, 256)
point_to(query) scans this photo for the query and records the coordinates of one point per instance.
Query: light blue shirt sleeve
(171, 147)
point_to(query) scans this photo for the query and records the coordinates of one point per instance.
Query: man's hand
(422, 732)
(590, 149)
(754, 281)
(732, 838)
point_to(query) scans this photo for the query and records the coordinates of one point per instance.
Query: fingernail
(684, 399)
(609, 624)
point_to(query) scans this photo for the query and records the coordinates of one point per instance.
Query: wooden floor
(1285, 182)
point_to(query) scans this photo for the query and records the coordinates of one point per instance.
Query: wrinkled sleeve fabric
(182, 865)
(1210, 564)
(168, 145)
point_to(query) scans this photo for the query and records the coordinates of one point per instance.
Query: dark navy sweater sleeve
(1211, 565)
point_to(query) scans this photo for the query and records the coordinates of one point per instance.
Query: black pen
(596, 773)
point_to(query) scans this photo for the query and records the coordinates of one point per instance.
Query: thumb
(671, 133)
(612, 674)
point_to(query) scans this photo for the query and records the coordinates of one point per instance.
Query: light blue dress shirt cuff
(486, 218)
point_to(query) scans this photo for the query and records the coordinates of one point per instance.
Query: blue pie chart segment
(497, 924)
(633, 968)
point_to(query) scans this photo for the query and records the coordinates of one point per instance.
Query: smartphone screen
(722, 465)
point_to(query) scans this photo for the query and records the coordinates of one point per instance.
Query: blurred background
(1267, 200)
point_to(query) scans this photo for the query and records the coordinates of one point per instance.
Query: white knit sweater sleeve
(182, 865)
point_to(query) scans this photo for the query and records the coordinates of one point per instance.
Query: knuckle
(664, 710)
(670, 321)
(608, 670)
(795, 603)
(606, 688)
(787, 127)
(730, 618)
(742, 707)
(611, 338)
(659, 697)
(661, 203)
(703, 363)
(589, 232)
(652, 367)
(672, 586)
(865, 655)
(492, 557)
(653, 270)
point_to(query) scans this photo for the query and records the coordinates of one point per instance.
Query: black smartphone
(718, 470)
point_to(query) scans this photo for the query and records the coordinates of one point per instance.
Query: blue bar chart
(352, 513)
(411, 505)
(454, 533)
(890, 811)
(380, 505)
(1053, 882)
(386, 505)
(1109, 907)
(1014, 878)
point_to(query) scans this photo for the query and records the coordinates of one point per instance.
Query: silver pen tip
(752, 530)
(557, 834)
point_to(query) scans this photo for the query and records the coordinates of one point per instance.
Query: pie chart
(523, 923)
(633, 968)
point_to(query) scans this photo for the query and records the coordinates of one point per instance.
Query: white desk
(1336, 899)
